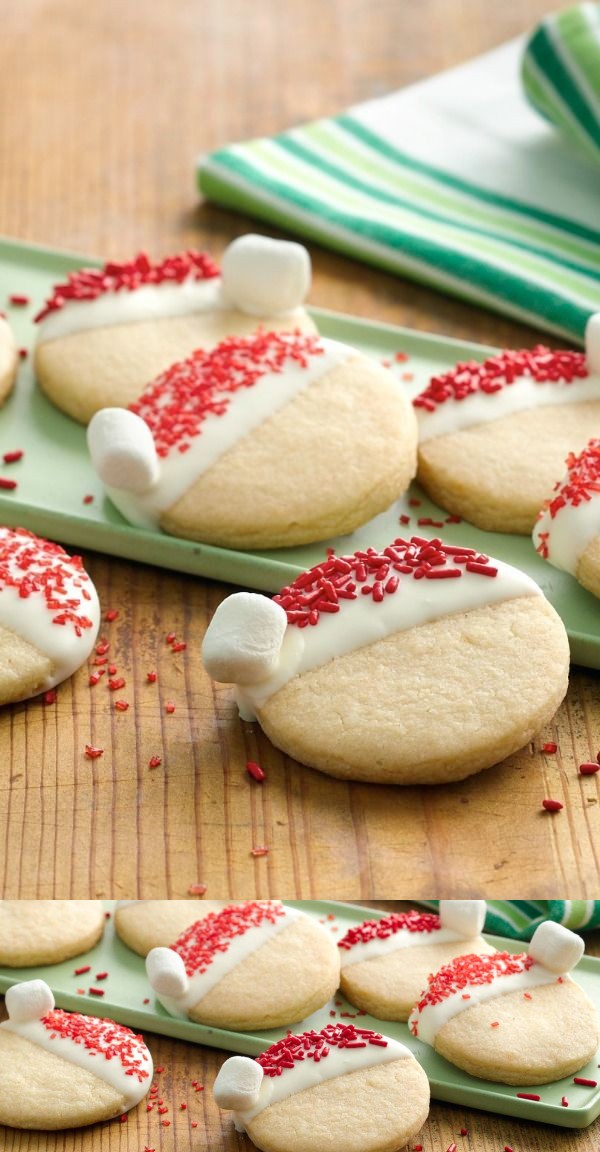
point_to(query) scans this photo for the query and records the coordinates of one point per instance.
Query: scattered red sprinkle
(100, 661)
(507, 1148)
(464, 1132)
(259, 850)
(194, 1124)
(183, 1107)
(197, 889)
(404, 519)
(417, 1148)
(19, 299)
(550, 747)
(121, 705)
(51, 696)
(9, 485)
(589, 768)
(82, 971)
(101, 975)
(155, 762)
(565, 1102)
(316, 1046)
(95, 677)
(179, 647)
(89, 499)
(451, 1147)
(23, 353)
(93, 753)
(112, 669)
(552, 805)
(414, 503)
(123, 1118)
(12, 457)
(169, 707)
(151, 677)
(170, 638)
(401, 357)
(412, 921)
(584, 1082)
(255, 771)
(166, 1123)
(111, 615)
(115, 684)
(499, 371)
(102, 648)
(495, 1024)
(160, 1068)
(96, 991)
(453, 519)
(528, 1096)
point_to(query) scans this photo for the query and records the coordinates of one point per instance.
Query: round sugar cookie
(146, 924)
(258, 964)
(516, 1019)
(419, 663)
(386, 962)
(9, 359)
(343, 1089)
(63, 1070)
(493, 436)
(34, 932)
(234, 446)
(567, 531)
(49, 614)
(107, 331)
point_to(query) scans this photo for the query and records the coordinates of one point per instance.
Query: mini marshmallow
(592, 342)
(31, 1000)
(262, 276)
(122, 450)
(556, 948)
(238, 1083)
(466, 917)
(243, 640)
(166, 972)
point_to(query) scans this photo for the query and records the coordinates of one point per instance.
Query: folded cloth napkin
(455, 181)
(520, 918)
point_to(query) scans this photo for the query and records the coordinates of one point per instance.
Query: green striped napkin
(519, 919)
(456, 182)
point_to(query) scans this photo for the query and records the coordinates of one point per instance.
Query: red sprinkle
(102, 648)
(451, 1147)
(550, 747)
(259, 850)
(155, 762)
(151, 677)
(123, 1118)
(121, 705)
(552, 805)
(101, 975)
(464, 1132)
(169, 707)
(179, 647)
(93, 753)
(115, 684)
(565, 1102)
(23, 353)
(12, 457)
(9, 485)
(96, 991)
(257, 773)
(19, 299)
(51, 696)
(500, 371)
(584, 1082)
(589, 768)
(82, 971)
(88, 499)
(528, 1096)
(197, 889)
(111, 615)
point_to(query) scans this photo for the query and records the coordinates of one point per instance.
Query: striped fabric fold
(518, 919)
(363, 183)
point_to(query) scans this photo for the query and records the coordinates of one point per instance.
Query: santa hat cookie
(49, 614)
(516, 1019)
(63, 1070)
(338, 1089)
(258, 964)
(34, 932)
(493, 436)
(386, 962)
(567, 532)
(108, 331)
(234, 446)
(9, 359)
(343, 667)
(146, 924)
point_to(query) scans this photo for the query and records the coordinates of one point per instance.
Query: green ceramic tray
(55, 473)
(127, 987)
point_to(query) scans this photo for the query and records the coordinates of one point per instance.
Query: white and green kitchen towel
(455, 181)
(519, 919)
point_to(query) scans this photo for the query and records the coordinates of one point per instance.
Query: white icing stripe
(570, 532)
(482, 407)
(240, 947)
(111, 1071)
(148, 302)
(433, 1016)
(307, 1073)
(371, 949)
(247, 409)
(363, 621)
(32, 620)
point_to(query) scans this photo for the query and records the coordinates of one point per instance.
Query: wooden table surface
(184, 1063)
(105, 107)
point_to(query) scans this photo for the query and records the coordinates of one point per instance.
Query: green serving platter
(129, 999)
(55, 473)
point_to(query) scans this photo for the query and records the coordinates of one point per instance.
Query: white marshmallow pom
(243, 640)
(166, 972)
(122, 450)
(29, 1001)
(264, 276)
(466, 917)
(238, 1083)
(592, 342)
(556, 947)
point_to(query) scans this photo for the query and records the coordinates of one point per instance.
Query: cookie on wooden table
(343, 1089)
(493, 436)
(419, 663)
(567, 532)
(265, 441)
(49, 614)
(386, 962)
(515, 1019)
(9, 359)
(36, 932)
(63, 1070)
(146, 924)
(107, 331)
(258, 964)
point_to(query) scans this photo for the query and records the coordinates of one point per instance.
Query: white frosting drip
(111, 1071)
(32, 620)
(239, 948)
(363, 621)
(307, 1073)
(570, 532)
(371, 949)
(433, 1016)
(247, 409)
(483, 407)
